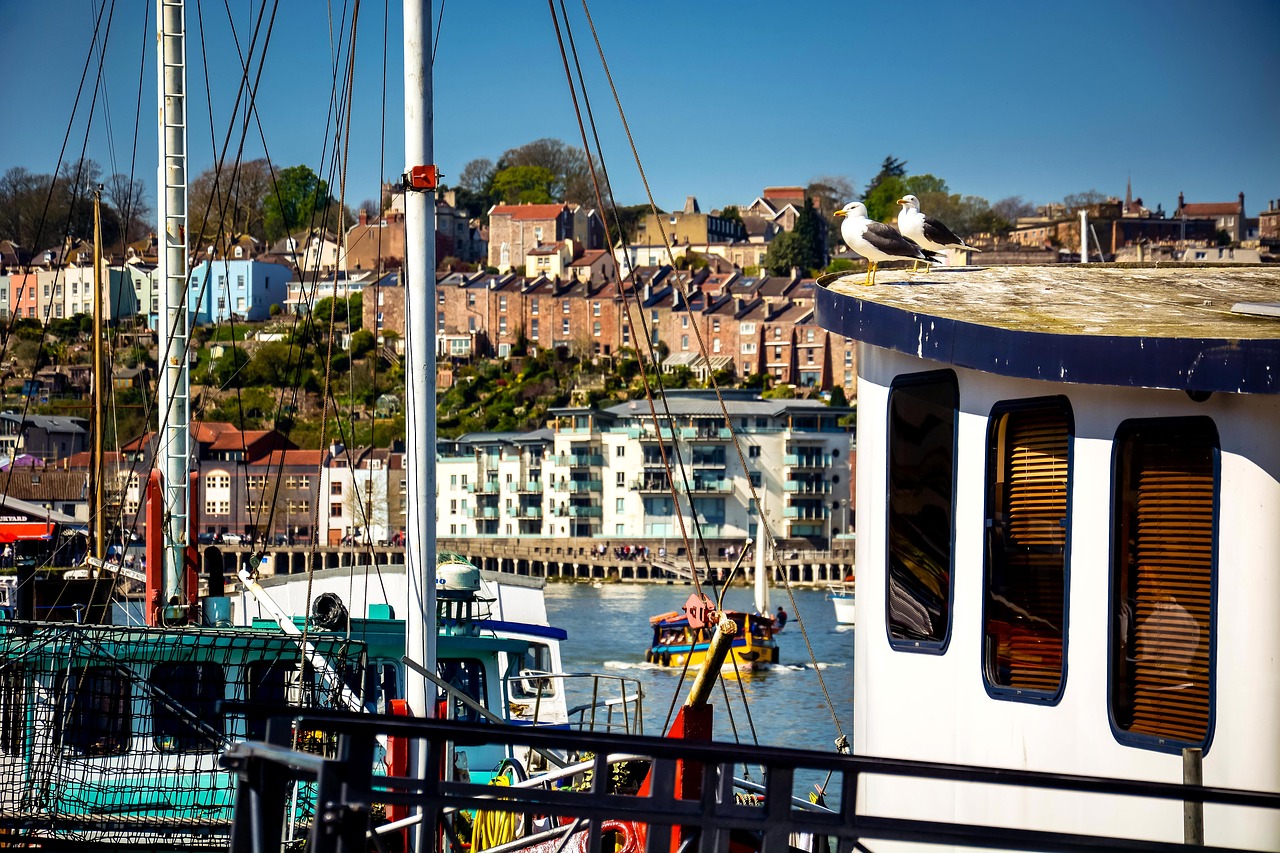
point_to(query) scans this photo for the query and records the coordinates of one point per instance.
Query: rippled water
(609, 630)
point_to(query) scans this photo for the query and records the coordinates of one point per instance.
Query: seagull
(876, 241)
(931, 234)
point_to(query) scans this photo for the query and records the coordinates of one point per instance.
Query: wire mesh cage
(113, 734)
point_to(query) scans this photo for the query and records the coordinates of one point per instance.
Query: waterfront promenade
(571, 558)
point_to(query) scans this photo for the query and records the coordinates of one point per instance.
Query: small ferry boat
(679, 642)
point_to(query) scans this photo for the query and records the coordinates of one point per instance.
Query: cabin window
(537, 658)
(1024, 591)
(466, 676)
(96, 716)
(184, 700)
(922, 436)
(273, 683)
(1164, 513)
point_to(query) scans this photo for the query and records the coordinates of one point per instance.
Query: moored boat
(842, 599)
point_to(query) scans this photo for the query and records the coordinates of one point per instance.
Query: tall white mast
(420, 357)
(174, 411)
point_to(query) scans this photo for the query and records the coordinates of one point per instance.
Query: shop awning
(12, 531)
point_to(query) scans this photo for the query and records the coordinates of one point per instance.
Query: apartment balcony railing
(809, 512)
(580, 460)
(524, 511)
(817, 460)
(579, 511)
(712, 487)
(529, 487)
(650, 484)
(802, 487)
(488, 487)
(579, 486)
(708, 463)
(482, 512)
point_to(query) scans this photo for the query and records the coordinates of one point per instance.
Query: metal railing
(693, 796)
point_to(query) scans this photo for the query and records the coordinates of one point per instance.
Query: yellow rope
(492, 828)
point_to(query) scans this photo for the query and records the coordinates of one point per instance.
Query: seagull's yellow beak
(840, 213)
(901, 201)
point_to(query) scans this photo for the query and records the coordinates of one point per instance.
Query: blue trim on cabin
(1124, 736)
(548, 631)
(1004, 407)
(1247, 366)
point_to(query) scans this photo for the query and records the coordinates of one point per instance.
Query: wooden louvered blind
(1025, 592)
(1170, 573)
(1166, 494)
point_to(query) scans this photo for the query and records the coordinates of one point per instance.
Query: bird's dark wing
(929, 255)
(936, 232)
(887, 239)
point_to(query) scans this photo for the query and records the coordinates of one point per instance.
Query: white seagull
(932, 235)
(876, 241)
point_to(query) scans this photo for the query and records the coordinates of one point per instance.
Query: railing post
(1193, 811)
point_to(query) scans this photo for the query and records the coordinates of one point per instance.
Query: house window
(715, 345)
(504, 255)
(620, 451)
(684, 342)
(1162, 589)
(748, 328)
(922, 429)
(533, 306)
(753, 451)
(471, 300)
(595, 329)
(440, 297)
(564, 326)
(756, 479)
(502, 302)
(239, 303)
(565, 308)
(620, 506)
(1024, 594)
(335, 489)
(335, 510)
(777, 332)
(595, 309)
(808, 335)
(533, 330)
(502, 325)
(684, 321)
(537, 233)
(715, 324)
(621, 480)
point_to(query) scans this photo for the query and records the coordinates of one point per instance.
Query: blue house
(244, 288)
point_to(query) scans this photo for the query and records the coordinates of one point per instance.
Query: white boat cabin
(1068, 537)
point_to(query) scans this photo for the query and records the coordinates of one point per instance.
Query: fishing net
(112, 734)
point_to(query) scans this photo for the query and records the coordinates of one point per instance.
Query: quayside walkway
(572, 559)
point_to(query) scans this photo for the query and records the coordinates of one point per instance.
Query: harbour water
(609, 631)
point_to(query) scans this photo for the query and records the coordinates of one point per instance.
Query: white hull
(843, 602)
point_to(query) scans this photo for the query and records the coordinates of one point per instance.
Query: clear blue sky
(999, 99)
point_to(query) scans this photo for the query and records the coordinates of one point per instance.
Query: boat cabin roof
(1196, 329)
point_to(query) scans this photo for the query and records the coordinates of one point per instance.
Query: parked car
(206, 539)
(234, 539)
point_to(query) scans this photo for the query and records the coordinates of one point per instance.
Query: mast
(419, 278)
(96, 468)
(420, 354)
(171, 274)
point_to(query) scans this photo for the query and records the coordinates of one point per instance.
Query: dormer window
(239, 253)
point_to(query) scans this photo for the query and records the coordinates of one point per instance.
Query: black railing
(350, 799)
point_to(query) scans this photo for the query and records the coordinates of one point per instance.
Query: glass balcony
(489, 487)
(482, 512)
(579, 486)
(529, 487)
(803, 487)
(814, 460)
(650, 484)
(574, 511)
(714, 487)
(808, 512)
(524, 512)
(588, 460)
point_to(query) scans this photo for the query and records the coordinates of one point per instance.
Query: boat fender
(666, 658)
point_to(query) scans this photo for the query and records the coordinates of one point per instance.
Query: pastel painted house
(245, 288)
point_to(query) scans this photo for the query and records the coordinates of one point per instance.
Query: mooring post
(1193, 811)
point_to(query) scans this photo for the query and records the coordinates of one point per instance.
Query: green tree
(355, 311)
(525, 184)
(801, 248)
(324, 307)
(276, 365)
(362, 343)
(892, 167)
(228, 370)
(838, 398)
(298, 200)
(731, 212)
